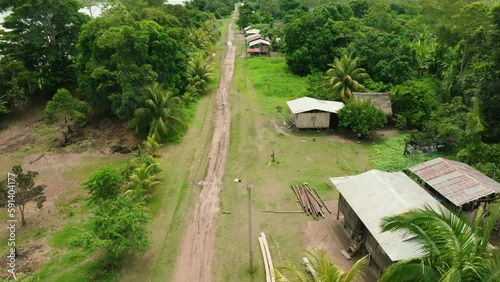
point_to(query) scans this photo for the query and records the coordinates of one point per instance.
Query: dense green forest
(439, 60)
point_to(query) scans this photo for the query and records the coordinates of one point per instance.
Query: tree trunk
(21, 210)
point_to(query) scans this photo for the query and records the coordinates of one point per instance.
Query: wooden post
(250, 251)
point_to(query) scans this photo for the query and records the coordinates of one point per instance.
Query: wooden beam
(264, 257)
(269, 260)
(315, 191)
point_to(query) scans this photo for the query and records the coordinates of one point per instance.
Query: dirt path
(194, 262)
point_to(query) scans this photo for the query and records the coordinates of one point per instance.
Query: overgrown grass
(272, 82)
(388, 155)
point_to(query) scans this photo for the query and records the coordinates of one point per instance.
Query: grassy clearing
(298, 159)
(388, 155)
(273, 83)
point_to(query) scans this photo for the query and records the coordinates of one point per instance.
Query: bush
(362, 117)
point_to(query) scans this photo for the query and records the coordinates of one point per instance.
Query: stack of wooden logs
(310, 200)
(266, 256)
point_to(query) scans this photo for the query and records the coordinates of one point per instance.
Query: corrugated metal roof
(252, 31)
(306, 104)
(376, 194)
(259, 41)
(456, 181)
(253, 50)
(253, 37)
(379, 100)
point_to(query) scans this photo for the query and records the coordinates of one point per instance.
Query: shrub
(362, 117)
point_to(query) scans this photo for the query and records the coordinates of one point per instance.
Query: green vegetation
(25, 191)
(455, 249)
(344, 77)
(324, 270)
(362, 117)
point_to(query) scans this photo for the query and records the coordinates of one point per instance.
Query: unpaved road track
(194, 263)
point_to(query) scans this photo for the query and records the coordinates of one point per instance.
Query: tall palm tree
(323, 270)
(199, 73)
(344, 76)
(162, 115)
(454, 250)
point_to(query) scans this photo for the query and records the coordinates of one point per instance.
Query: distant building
(313, 113)
(259, 46)
(250, 32)
(365, 199)
(252, 38)
(456, 184)
(379, 100)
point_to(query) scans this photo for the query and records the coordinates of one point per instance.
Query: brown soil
(329, 235)
(90, 150)
(194, 262)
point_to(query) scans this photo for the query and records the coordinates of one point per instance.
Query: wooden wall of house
(264, 48)
(377, 254)
(351, 219)
(312, 120)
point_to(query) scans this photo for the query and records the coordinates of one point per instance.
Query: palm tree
(143, 178)
(454, 250)
(200, 40)
(151, 145)
(323, 270)
(344, 76)
(199, 73)
(162, 115)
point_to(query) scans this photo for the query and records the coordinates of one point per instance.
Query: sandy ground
(194, 262)
(328, 234)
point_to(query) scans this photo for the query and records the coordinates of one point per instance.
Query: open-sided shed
(367, 198)
(313, 113)
(456, 183)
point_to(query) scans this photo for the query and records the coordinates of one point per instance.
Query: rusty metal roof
(456, 181)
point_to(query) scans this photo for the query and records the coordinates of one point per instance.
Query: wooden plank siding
(353, 224)
(312, 120)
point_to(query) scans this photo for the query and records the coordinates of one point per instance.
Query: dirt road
(194, 262)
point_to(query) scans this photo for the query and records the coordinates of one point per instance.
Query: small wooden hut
(379, 100)
(313, 113)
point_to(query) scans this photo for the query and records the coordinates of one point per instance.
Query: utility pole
(250, 250)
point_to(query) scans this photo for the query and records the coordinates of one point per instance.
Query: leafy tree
(362, 117)
(313, 40)
(119, 226)
(17, 84)
(386, 56)
(414, 101)
(162, 115)
(323, 270)
(454, 250)
(359, 8)
(120, 57)
(25, 190)
(103, 185)
(344, 77)
(42, 36)
(64, 105)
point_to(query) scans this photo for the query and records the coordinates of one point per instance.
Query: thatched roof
(379, 100)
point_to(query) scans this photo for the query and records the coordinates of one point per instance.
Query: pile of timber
(266, 256)
(310, 200)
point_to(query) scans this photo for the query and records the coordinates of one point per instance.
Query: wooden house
(456, 184)
(313, 113)
(365, 199)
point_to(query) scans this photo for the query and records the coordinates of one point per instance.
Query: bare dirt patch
(195, 257)
(328, 234)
